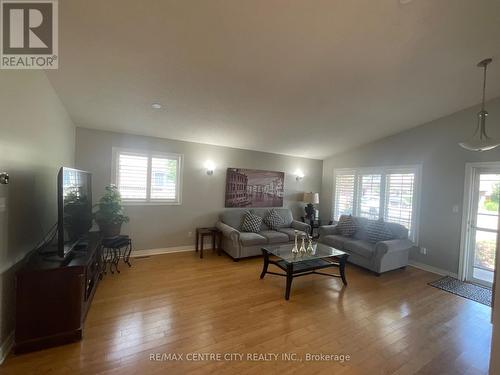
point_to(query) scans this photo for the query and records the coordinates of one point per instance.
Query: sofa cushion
(378, 231)
(262, 212)
(233, 218)
(361, 224)
(399, 231)
(273, 220)
(252, 239)
(347, 226)
(285, 213)
(274, 237)
(335, 240)
(290, 232)
(251, 223)
(360, 247)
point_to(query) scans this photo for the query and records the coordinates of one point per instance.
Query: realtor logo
(29, 34)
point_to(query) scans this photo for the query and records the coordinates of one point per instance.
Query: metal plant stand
(112, 250)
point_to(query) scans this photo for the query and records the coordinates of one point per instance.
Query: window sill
(144, 203)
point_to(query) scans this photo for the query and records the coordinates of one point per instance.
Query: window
(369, 196)
(344, 193)
(145, 177)
(399, 190)
(389, 193)
(132, 176)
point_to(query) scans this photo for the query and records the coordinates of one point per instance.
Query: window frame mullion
(148, 178)
(356, 196)
(383, 189)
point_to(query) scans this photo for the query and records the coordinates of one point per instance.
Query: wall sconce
(299, 175)
(210, 167)
(4, 178)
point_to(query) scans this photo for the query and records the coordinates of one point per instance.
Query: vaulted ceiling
(306, 78)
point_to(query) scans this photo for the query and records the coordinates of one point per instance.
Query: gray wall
(434, 145)
(36, 138)
(154, 227)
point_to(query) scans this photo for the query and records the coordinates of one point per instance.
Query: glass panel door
(483, 226)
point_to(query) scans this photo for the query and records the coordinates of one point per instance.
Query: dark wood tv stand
(53, 297)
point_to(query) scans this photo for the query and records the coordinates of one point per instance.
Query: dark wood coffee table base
(306, 267)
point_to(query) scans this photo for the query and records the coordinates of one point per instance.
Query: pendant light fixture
(480, 141)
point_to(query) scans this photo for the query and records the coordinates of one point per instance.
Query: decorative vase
(295, 249)
(310, 248)
(302, 249)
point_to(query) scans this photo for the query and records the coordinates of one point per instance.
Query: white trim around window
(142, 189)
(378, 182)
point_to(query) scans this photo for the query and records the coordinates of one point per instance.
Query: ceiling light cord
(484, 86)
(483, 113)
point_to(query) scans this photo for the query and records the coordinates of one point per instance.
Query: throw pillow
(251, 223)
(346, 226)
(378, 231)
(273, 220)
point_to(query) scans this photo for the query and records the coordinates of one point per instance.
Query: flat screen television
(74, 199)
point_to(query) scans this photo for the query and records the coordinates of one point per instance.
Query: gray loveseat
(245, 244)
(378, 257)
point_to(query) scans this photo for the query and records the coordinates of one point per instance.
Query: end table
(315, 224)
(211, 232)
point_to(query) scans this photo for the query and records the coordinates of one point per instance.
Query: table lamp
(311, 199)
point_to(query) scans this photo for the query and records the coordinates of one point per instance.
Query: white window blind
(344, 194)
(163, 178)
(387, 192)
(132, 176)
(369, 196)
(400, 190)
(148, 178)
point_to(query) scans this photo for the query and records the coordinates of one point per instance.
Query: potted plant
(109, 215)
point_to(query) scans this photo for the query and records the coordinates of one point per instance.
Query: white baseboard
(165, 250)
(432, 269)
(6, 347)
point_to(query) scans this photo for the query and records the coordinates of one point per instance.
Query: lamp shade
(312, 198)
(480, 140)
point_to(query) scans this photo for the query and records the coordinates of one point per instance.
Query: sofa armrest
(391, 246)
(228, 231)
(325, 230)
(299, 225)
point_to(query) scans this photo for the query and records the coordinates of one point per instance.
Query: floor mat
(467, 290)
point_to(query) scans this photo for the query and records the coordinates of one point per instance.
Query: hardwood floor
(177, 303)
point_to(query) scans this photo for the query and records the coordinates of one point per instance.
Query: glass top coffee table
(301, 264)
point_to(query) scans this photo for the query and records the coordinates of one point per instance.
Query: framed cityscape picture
(254, 188)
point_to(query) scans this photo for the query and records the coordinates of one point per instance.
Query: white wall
(37, 137)
(202, 196)
(434, 145)
(495, 339)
